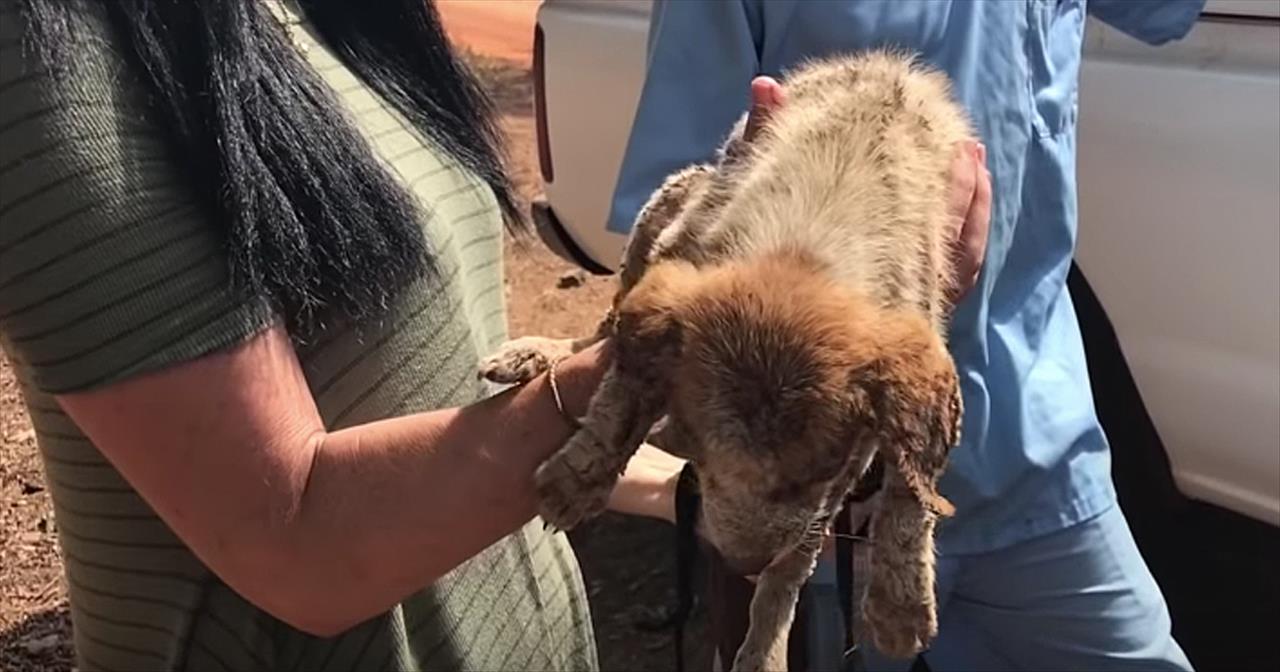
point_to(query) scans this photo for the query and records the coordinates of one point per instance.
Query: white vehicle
(1179, 179)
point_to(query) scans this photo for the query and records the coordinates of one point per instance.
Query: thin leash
(844, 576)
(846, 581)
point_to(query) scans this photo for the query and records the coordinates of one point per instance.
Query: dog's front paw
(522, 360)
(898, 628)
(574, 484)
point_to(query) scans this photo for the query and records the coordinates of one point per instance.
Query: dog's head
(773, 392)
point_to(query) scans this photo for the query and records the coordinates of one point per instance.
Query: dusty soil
(34, 624)
(499, 28)
(628, 563)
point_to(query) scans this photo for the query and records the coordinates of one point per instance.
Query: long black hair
(312, 221)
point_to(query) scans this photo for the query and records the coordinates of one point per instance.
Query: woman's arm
(327, 529)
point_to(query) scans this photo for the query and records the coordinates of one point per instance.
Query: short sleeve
(702, 56)
(110, 266)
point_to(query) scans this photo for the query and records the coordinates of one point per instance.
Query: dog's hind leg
(574, 483)
(663, 209)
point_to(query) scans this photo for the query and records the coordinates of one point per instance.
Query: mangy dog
(782, 312)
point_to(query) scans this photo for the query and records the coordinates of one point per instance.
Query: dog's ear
(909, 398)
(909, 395)
(649, 323)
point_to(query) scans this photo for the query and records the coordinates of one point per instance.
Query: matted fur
(783, 313)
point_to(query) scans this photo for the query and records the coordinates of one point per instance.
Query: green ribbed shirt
(110, 268)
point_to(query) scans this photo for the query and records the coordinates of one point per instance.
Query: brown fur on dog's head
(781, 381)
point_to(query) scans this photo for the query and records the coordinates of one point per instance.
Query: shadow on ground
(38, 643)
(629, 568)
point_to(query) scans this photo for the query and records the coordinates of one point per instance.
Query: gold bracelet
(555, 395)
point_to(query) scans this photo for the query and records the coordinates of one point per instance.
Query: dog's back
(853, 170)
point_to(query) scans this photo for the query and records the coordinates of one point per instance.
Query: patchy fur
(784, 310)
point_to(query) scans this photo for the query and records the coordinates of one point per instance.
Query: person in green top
(250, 254)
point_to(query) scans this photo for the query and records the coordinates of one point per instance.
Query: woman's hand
(648, 486)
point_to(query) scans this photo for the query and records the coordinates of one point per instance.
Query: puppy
(783, 313)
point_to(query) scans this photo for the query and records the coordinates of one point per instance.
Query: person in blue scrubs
(1038, 568)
